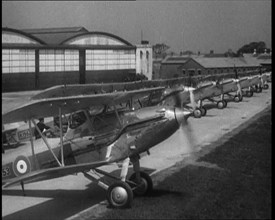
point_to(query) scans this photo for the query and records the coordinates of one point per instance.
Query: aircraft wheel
(236, 98)
(197, 113)
(203, 111)
(220, 104)
(250, 93)
(120, 195)
(145, 186)
(260, 89)
(224, 103)
(266, 86)
(241, 98)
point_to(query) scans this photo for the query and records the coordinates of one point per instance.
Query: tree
(249, 48)
(160, 49)
(230, 53)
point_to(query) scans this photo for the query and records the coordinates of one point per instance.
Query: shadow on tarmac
(63, 203)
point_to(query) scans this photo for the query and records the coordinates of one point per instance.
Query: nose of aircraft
(181, 115)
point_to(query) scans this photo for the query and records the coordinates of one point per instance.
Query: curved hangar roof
(61, 36)
(13, 36)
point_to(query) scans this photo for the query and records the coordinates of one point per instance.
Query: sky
(196, 25)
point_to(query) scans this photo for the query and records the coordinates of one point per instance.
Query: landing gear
(220, 104)
(197, 113)
(249, 93)
(145, 186)
(241, 98)
(224, 103)
(236, 98)
(258, 89)
(203, 111)
(120, 195)
(121, 192)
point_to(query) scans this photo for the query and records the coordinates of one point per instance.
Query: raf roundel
(21, 166)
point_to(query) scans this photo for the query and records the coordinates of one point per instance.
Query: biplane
(13, 136)
(208, 90)
(101, 131)
(221, 87)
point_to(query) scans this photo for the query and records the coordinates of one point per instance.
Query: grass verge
(233, 181)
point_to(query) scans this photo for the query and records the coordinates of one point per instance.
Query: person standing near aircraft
(41, 127)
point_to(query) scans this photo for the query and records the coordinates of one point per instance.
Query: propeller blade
(192, 99)
(187, 133)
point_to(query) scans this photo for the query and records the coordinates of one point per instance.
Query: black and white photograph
(146, 109)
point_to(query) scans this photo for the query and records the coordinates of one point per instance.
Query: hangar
(40, 58)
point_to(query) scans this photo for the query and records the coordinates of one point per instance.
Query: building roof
(226, 62)
(20, 34)
(212, 62)
(55, 35)
(175, 59)
(264, 56)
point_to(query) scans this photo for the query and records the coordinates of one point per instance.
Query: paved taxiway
(65, 197)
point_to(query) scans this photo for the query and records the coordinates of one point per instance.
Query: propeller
(192, 98)
(186, 133)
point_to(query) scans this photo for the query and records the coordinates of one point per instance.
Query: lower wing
(52, 173)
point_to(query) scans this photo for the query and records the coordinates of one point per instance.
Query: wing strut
(33, 153)
(117, 115)
(61, 136)
(46, 142)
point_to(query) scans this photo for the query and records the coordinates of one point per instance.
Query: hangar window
(110, 59)
(12, 38)
(58, 60)
(18, 61)
(97, 39)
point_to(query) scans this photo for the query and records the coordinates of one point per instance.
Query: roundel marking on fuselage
(21, 166)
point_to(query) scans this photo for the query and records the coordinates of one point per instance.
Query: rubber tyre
(220, 104)
(266, 86)
(147, 184)
(250, 93)
(224, 103)
(236, 98)
(203, 111)
(260, 89)
(241, 98)
(116, 192)
(197, 113)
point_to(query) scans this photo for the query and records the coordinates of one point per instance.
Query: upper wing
(52, 173)
(96, 88)
(85, 89)
(9, 130)
(50, 107)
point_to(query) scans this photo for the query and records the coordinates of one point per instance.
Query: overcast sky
(197, 25)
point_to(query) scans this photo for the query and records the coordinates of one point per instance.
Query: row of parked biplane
(102, 124)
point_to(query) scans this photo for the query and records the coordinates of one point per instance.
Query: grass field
(231, 182)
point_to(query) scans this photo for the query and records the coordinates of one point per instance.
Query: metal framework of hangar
(40, 58)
